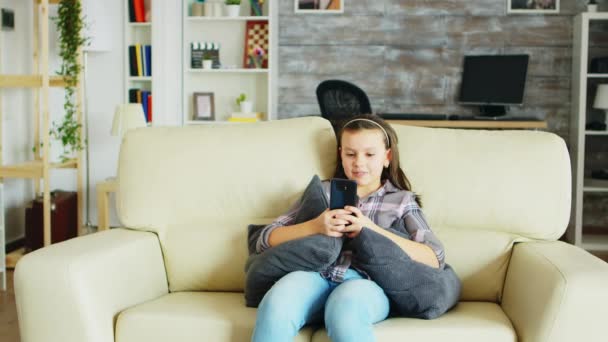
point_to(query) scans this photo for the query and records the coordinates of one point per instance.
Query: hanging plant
(70, 24)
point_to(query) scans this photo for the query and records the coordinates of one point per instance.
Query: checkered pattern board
(256, 34)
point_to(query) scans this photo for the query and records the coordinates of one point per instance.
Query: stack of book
(246, 117)
(145, 98)
(140, 60)
(139, 11)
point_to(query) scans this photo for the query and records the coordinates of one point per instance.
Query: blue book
(148, 54)
(144, 103)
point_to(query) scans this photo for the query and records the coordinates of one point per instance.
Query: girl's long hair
(393, 172)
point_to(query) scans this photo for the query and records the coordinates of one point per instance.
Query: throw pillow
(311, 253)
(414, 289)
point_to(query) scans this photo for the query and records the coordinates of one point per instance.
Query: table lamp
(128, 116)
(601, 100)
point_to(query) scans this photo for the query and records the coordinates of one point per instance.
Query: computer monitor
(493, 82)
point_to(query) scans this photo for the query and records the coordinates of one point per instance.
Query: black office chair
(340, 100)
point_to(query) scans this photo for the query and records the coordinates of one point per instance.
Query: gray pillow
(414, 289)
(311, 253)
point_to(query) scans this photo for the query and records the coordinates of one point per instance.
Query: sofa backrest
(516, 182)
(483, 191)
(199, 188)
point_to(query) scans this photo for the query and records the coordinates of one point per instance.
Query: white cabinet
(590, 30)
(233, 77)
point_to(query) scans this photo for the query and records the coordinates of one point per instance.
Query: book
(251, 115)
(243, 120)
(149, 107)
(148, 53)
(138, 58)
(131, 12)
(140, 11)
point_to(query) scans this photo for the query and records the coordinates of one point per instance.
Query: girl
(342, 297)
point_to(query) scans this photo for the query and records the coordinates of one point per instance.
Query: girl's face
(364, 156)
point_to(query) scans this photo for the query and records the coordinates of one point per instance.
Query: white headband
(375, 123)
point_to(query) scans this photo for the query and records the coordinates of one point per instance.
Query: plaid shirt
(384, 207)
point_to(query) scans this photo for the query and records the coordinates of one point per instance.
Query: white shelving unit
(583, 86)
(136, 33)
(232, 79)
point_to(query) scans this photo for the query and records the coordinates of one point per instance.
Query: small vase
(256, 62)
(246, 106)
(233, 10)
(591, 7)
(207, 64)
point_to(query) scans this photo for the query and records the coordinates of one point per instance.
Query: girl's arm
(416, 250)
(325, 224)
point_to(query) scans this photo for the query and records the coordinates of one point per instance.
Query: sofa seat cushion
(466, 322)
(192, 316)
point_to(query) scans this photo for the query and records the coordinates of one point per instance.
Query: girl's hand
(357, 221)
(329, 223)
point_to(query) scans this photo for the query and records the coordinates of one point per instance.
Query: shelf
(472, 124)
(203, 19)
(596, 132)
(220, 122)
(591, 75)
(216, 71)
(592, 242)
(33, 169)
(29, 81)
(140, 78)
(146, 24)
(595, 185)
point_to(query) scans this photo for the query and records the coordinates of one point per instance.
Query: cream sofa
(497, 199)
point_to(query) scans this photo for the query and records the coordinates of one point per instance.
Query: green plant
(233, 2)
(70, 24)
(240, 99)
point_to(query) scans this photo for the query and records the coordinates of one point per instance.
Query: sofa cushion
(510, 181)
(311, 253)
(467, 322)
(191, 316)
(214, 316)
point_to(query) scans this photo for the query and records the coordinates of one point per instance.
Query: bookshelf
(138, 42)
(588, 43)
(233, 77)
(40, 82)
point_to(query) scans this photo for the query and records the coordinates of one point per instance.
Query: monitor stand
(491, 111)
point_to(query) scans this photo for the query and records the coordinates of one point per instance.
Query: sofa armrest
(556, 292)
(74, 290)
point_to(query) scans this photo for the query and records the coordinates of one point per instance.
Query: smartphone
(342, 192)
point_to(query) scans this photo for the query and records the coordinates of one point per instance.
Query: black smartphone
(342, 192)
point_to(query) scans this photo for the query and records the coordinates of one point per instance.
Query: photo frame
(203, 107)
(319, 6)
(533, 6)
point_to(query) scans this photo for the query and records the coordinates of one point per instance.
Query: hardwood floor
(9, 328)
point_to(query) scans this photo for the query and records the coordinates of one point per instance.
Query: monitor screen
(496, 79)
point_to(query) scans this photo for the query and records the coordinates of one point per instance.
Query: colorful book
(140, 68)
(148, 54)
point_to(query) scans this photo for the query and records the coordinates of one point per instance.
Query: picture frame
(319, 6)
(203, 107)
(533, 6)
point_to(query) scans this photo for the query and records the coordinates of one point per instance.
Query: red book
(140, 11)
(149, 107)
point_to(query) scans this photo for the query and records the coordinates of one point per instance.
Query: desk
(104, 188)
(493, 124)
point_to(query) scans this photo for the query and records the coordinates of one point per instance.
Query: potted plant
(69, 23)
(207, 60)
(246, 106)
(233, 7)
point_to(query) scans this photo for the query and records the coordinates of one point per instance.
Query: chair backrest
(340, 99)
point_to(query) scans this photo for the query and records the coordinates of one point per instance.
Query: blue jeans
(349, 309)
